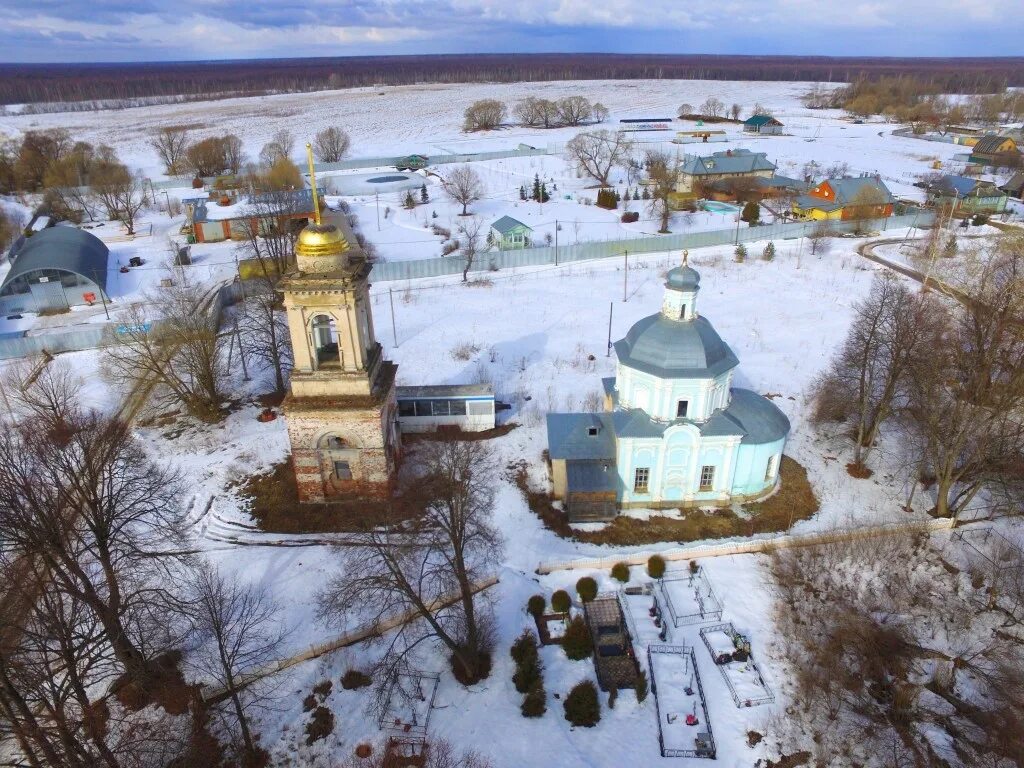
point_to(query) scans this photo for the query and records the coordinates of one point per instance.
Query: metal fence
(767, 697)
(709, 607)
(54, 343)
(382, 161)
(533, 257)
(706, 751)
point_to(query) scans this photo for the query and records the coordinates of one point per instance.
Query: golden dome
(320, 240)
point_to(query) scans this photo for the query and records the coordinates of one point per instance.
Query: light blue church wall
(660, 397)
(674, 466)
(751, 464)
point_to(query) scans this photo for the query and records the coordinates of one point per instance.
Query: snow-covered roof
(467, 391)
(730, 161)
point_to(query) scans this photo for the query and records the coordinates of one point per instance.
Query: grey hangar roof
(66, 249)
(675, 349)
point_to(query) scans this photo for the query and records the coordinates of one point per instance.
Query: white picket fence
(750, 546)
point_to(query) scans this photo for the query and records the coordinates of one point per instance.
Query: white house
(675, 432)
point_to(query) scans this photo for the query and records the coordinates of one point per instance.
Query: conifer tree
(424, 197)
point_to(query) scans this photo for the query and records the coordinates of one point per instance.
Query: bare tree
(596, 153)
(965, 400)
(170, 349)
(469, 238)
(599, 112)
(760, 109)
(170, 144)
(820, 239)
(436, 571)
(868, 204)
(207, 157)
(463, 186)
(573, 110)
(484, 115)
(331, 144)
(241, 630)
(893, 329)
(712, 107)
(684, 109)
(270, 228)
(264, 328)
(527, 111)
(47, 391)
(735, 111)
(234, 155)
(663, 171)
(84, 508)
(9, 228)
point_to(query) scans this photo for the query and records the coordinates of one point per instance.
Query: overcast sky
(148, 30)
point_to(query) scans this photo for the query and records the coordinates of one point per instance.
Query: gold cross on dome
(686, 257)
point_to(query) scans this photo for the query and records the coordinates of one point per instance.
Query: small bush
(620, 572)
(320, 726)
(979, 219)
(586, 588)
(560, 601)
(527, 674)
(740, 254)
(355, 679)
(535, 702)
(641, 688)
(535, 605)
(323, 689)
(656, 566)
(768, 254)
(577, 642)
(524, 649)
(630, 217)
(694, 566)
(309, 703)
(582, 706)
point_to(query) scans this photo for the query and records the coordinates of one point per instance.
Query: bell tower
(340, 410)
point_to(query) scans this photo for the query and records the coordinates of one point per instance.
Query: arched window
(325, 341)
(336, 458)
(769, 472)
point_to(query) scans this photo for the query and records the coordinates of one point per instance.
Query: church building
(341, 409)
(675, 432)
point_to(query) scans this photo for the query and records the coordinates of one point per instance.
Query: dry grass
(794, 501)
(274, 505)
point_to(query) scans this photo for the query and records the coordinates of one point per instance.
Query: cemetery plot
(689, 599)
(684, 728)
(643, 615)
(731, 653)
(613, 651)
(409, 701)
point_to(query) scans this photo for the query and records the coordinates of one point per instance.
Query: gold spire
(320, 247)
(312, 182)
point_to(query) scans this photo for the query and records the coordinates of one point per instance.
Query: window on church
(342, 470)
(641, 479)
(406, 408)
(682, 312)
(681, 408)
(707, 477)
(769, 472)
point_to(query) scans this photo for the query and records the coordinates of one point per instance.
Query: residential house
(850, 197)
(508, 234)
(967, 196)
(1015, 186)
(698, 173)
(762, 124)
(995, 150)
(230, 218)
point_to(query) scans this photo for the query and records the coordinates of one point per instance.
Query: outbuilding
(762, 124)
(56, 268)
(508, 234)
(463, 407)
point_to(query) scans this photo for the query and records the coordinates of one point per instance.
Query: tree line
(35, 83)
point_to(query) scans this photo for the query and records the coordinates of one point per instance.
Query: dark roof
(591, 476)
(678, 349)
(730, 161)
(758, 120)
(988, 144)
(964, 186)
(480, 391)
(1015, 184)
(569, 438)
(755, 417)
(506, 224)
(684, 278)
(62, 248)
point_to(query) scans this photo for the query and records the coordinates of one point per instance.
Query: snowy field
(539, 336)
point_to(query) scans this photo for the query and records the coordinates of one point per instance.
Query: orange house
(860, 197)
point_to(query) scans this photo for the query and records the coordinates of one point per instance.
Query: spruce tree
(536, 187)
(522, 192)
(410, 201)
(424, 197)
(768, 254)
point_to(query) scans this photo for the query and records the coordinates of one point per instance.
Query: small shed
(995, 150)
(508, 233)
(762, 124)
(466, 407)
(1015, 186)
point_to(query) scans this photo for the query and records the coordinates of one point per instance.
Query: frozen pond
(371, 183)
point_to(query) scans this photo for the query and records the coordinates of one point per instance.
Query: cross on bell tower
(340, 410)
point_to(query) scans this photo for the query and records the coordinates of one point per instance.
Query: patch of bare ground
(273, 502)
(794, 501)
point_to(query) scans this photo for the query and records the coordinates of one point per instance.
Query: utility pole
(241, 354)
(556, 242)
(394, 330)
(611, 309)
(625, 276)
(376, 198)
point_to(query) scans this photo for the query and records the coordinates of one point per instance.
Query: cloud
(119, 29)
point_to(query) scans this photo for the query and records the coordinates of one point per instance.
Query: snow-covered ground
(540, 337)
